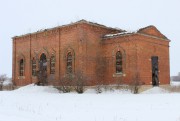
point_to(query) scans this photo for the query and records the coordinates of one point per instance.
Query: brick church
(102, 54)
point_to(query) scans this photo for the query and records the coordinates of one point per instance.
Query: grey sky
(22, 16)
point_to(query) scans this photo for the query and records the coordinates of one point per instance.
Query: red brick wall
(138, 50)
(85, 41)
(151, 30)
(125, 44)
(149, 47)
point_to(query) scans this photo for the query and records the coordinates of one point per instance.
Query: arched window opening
(34, 67)
(69, 62)
(119, 62)
(21, 67)
(42, 72)
(43, 63)
(52, 65)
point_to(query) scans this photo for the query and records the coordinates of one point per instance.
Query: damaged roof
(148, 31)
(73, 23)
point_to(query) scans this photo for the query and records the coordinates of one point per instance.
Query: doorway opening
(42, 73)
(155, 71)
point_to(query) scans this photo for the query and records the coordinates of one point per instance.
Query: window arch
(34, 67)
(69, 62)
(52, 65)
(43, 57)
(119, 68)
(21, 67)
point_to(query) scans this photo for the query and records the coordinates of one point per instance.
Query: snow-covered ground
(155, 90)
(33, 103)
(175, 83)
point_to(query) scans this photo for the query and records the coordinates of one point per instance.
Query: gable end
(152, 31)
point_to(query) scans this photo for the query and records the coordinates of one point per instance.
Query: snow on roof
(118, 34)
(146, 27)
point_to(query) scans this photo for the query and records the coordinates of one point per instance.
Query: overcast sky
(19, 17)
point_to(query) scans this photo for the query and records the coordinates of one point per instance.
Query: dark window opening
(42, 72)
(21, 67)
(43, 63)
(52, 65)
(118, 62)
(69, 62)
(34, 67)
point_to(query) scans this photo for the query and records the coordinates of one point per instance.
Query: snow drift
(155, 90)
(36, 103)
(32, 88)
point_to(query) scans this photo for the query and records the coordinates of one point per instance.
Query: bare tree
(2, 79)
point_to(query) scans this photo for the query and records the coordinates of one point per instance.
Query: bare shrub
(119, 81)
(101, 64)
(42, 77)
(73, 81)
(174, 88)
(79, 82)
(98, 88)
(67, 81)
(3, 77)
(136, 83)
